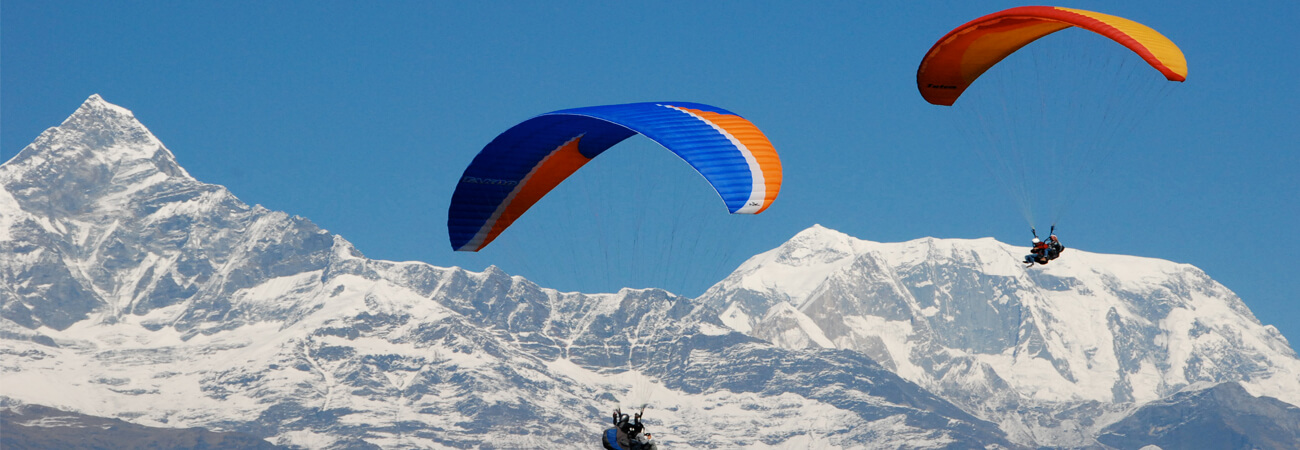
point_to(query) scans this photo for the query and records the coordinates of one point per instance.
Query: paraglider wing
(966, 52)
(527, 161)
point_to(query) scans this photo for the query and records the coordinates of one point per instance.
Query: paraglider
(1066, 101)
(1043, 252)
(524, 163)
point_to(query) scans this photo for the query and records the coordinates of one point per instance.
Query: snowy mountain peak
(817, 238)
(818, 231)
(98, 202)
(95, 160)
(96, 106)
(964, 316)
(115, 130)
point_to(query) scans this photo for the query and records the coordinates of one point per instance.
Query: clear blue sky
(361, 116)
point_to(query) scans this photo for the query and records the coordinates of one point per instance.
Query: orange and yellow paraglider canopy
(966, 52)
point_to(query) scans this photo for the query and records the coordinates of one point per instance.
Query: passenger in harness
(626, 434)
(1054, 247)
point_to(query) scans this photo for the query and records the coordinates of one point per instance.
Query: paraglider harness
(626, 435)
(1045, 251)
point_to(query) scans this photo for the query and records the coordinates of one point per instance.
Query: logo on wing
(492, 181)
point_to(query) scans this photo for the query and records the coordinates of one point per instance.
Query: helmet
(1036, 240)
(1053, 237)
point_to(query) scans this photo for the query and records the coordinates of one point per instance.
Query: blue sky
(361, 115)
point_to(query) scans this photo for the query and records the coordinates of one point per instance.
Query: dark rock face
(39, 427)
(1221, 417)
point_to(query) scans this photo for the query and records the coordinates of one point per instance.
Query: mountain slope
(130, 290)
(1051, 353)
(1218, 417)
(37, 427)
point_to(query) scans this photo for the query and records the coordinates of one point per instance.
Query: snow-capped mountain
(130, 290)
(1050, 353)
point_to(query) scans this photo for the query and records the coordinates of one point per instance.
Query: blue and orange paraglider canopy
(965, 53)
(527, 161)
